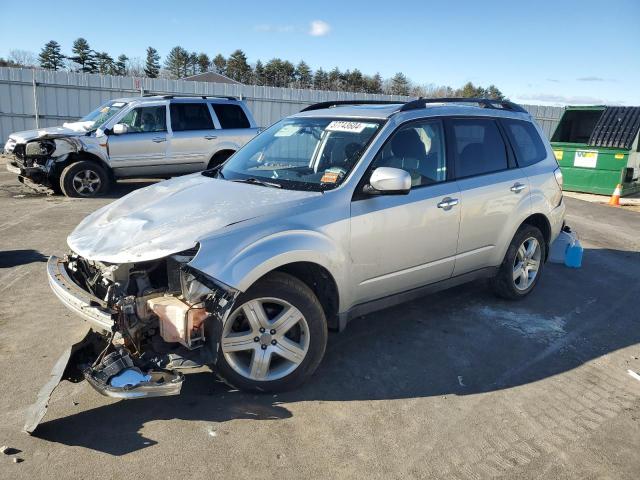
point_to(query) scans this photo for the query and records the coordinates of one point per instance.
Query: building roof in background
(211, 77)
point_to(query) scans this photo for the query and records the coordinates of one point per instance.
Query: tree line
(181, 63)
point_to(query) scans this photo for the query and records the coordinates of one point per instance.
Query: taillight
(559, 178)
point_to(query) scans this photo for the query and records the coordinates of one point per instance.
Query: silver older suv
(332, 213)
(153, 136)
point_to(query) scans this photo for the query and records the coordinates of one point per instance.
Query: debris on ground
(9, 450)
(634, 374)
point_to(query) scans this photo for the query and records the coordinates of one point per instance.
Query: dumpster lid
(617, 127)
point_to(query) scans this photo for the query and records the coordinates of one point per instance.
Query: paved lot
(457, 385)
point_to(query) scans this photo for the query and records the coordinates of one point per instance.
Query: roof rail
(188, 95)
(482, 102)
(336, 103)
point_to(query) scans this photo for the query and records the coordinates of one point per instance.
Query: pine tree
(120, 67)
(303, 75)
(152, 65)
(177, 62)
(259, 74)
(237, 67)
(321, 80)
(83, 56)
(219, 64)
(335, 80)
(493, 92)
(192, 66)
(204, 64)
(374, 84)
(104, 63)
(399, 84)
(51, 56)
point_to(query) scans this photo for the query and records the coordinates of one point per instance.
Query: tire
(304, 341)
(72, 177)
(505, 284)
(219, 158)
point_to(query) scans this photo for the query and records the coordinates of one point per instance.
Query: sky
(550, 52)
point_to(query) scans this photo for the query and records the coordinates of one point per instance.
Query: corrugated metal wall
(64, 96)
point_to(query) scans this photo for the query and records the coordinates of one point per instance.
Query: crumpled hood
(172, 216)
(69, 129)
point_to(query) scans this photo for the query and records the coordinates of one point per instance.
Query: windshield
(101, 114)
(302, 153)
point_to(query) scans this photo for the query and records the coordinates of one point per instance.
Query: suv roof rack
(178, 95)
(482, 102)
(422, 103)
(336, 103)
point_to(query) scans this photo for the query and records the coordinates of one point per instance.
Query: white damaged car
(332, 213)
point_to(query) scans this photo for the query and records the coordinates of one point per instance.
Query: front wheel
(275, 337)
(523, 263)
(84, 179)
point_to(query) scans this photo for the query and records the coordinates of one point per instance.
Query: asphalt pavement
(457, 385)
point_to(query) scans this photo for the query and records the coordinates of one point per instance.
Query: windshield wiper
(255, 181)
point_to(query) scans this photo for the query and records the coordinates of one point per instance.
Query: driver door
(143, 149)
(401, 242)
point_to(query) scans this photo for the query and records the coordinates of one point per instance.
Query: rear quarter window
(230, 116)
(526, 142)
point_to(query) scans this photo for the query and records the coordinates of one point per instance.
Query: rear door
(193, 134)
(494, 193)
(142, 150)
(235, 127)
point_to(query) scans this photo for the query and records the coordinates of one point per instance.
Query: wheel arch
(80, 156)
(322, 284)
(220, 156)
(541, 222)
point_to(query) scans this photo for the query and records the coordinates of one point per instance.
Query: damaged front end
(40, 160)
(148, 319)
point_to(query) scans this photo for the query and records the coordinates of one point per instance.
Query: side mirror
(120, 128)
(388, 181)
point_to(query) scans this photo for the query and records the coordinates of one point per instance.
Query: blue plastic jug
(573, 257)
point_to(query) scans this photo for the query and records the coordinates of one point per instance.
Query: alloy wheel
(527, 263)
(86, 182)
(265, 339)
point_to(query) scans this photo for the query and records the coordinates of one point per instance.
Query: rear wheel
(84, 179)
(523, 263)
(275, 337)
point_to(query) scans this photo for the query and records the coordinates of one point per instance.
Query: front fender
(240, 265)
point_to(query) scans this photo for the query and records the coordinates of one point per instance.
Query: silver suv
(332, 213)
(155, 136)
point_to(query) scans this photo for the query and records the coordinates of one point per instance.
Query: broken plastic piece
(161, 383)
(130, 377)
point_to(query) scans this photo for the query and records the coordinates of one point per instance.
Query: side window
(146, 119)
(190, 116)
(526, 142)
(478, 147)
(418, 148)
(230, 116)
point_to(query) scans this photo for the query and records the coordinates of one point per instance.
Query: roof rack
(337, 103)
(422, 103)
(178, 95)
(482, 102)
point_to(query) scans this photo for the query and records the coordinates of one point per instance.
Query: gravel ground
(458, 385)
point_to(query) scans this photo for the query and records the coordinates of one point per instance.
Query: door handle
(210, 137)
(158, 139)
(518, 187)
(447, 203)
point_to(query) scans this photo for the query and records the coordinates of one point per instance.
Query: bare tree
(22, 58)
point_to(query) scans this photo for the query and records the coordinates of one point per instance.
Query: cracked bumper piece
(160, 384)
(89, 307)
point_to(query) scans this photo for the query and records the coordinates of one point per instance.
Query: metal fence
(32, 98)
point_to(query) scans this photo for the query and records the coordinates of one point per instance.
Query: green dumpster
(597, 148)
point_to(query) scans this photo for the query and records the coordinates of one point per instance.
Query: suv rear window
(230, 116)
(478, 147)
(526, 142)
(190, 116)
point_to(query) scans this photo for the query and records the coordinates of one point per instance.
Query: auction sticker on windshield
(344, 126)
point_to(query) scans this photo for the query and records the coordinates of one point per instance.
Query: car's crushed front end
(147, 320)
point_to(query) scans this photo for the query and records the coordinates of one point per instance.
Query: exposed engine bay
(41, 158)
(161, 312)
